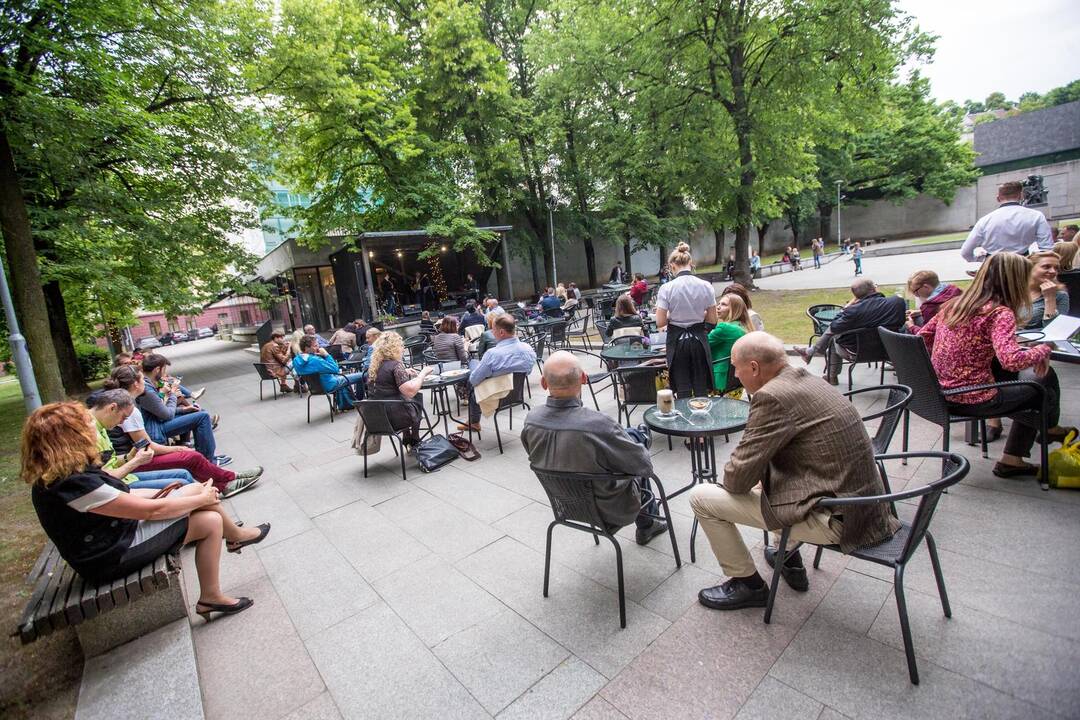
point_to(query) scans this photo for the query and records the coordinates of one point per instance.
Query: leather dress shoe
(732, 595)
(645, 534)
(793, 572)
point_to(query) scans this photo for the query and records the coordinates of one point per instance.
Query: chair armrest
(959, 472)
(989, 386)
(878, 388)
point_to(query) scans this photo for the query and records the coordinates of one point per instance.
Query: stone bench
(104, 616)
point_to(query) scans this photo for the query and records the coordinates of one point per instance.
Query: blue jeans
(197, 422)
(817, 261)
(157, 479)
(349, 379)
(185, 392)
(858, 266)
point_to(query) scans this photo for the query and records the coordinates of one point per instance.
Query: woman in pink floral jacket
(973, 330)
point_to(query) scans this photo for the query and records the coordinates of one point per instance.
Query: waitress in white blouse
(686, 308)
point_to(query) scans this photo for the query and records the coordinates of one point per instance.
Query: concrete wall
(1062, 180)
(922, 215)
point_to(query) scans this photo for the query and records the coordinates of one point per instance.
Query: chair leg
(905, 626)
(907, 422)
(931, 547)
(781, 557)
(662, 497)
(403, 460)
(1044, 452)
(309, 409)
(330, 402)
(261, 390)
(982, 436)
(547, 556)
(511, 417)
(364, 447)
(851, 369)
(622, 591)
(594, 401)
(498, 437)
(817, 557)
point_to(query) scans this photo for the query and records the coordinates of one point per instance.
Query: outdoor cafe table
(531, 326)
(725, 416)
(440, 397)
(625, 351)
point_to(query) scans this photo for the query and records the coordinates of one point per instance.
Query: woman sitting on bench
(105, 530)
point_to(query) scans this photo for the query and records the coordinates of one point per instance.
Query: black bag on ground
(435, 452)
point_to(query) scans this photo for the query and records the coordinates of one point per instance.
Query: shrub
(95, 361)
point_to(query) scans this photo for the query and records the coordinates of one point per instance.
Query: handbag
(434, 453)
(1065, 464)
(467, 450)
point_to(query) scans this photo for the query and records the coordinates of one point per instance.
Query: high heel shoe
(237, 546)
(240, 605)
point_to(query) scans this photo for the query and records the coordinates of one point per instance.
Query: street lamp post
(551, 236)
(23, 368)
(839, 241)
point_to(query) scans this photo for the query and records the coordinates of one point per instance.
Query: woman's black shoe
(236, 547)
(993, 432)
(1007, 471)
(205, 609)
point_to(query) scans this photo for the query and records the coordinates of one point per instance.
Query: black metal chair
(731, 382)
(821, 324)
(266, 376)
(554, 313)
(898, 550)
(1071, 280)
(377, 422)
(635, 385)
(516, 398)
(595, 378)
(579, 328)
(336, 351)
(314, 386)
(868, 349)
(414, 349)
(573, 503)
(911, 361)
(557, 338)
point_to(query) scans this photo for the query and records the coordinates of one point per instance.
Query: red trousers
(199, 467)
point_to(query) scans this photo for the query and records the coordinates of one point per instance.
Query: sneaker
(222, 460)
(239, 485)
(252, 473)
(198, 393)
(214, 420)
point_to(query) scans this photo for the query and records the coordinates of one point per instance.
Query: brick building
(232, 312)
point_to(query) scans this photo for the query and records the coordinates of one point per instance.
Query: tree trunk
(761, 231)
(825, 222)
(582, 200)
(628, 251)
(70, 372)
(535, 271)
(26, 277)
(718, 245)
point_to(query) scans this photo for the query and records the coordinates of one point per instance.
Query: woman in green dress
(734, 323)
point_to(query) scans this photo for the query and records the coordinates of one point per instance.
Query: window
(174, 326)
(191, 324)
(245, 317)
(155, 328)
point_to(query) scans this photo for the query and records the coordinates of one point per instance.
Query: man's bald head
(862, 287)
(758, 357)
(562, 375)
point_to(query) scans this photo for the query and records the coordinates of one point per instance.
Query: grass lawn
(784, 311)
(939, 238)
(40, 680)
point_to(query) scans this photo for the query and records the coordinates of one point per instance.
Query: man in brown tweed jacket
(803, 441)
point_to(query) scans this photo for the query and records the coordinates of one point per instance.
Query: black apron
(689, 358)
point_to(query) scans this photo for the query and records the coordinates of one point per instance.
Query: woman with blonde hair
(1048, 298)
(389, 379)
(1067, 252)
(978, 327)
(104, 529)
(686, 308)
(734, 323)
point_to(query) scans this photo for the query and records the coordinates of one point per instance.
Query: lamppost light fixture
(443, 248)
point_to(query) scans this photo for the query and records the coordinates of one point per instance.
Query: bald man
(867, 308)
(803, 441)
(563, 436)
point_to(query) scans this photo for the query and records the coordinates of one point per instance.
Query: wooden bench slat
(146, 579)
(73, 605)
(89, 601)
(56, 608)
(49, 554)
(27, 624)
(119, 594)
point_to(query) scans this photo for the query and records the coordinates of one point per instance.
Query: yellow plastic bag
(1065, 464)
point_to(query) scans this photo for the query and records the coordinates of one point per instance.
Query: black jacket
(872, 311)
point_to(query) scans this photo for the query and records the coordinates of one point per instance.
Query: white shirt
(134, 421)
(686, 298)
(1012, 227)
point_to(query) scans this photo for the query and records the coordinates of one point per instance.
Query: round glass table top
(630, 351)
(724, 415)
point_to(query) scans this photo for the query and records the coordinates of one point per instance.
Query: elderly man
(803, 441)
(867, 308)
(310, 330)
(564, 436)
(275, 355)
(491, 305)
(509, 355)
(1010, 228)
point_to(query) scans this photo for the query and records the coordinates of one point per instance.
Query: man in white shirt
(1010, 228)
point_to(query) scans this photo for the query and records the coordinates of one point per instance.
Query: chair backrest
(601, 327)
(731, 382)
(953, 469)
(821, 325)
(557, 332)
(637, 383)
(868, 347)
(517, 395)
(314, 384)
(571, 495)
(632, 331)
(579, 325)
(264, 371)
(912, 364)
(474, 331)
(376, 415)
(899, 397)
(1071, 280)
(554, 312)
(335, 351)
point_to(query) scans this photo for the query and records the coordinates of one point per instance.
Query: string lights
(438, 282)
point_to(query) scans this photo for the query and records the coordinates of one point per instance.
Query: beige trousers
(719, 511)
